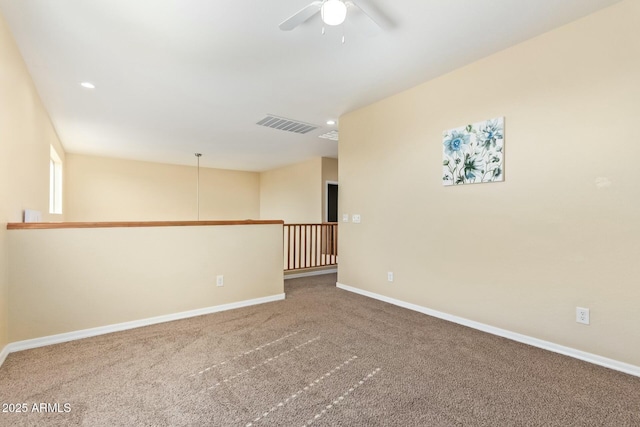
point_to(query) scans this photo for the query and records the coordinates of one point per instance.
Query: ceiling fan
(332, 13)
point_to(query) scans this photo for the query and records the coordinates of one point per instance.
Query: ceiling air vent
(332, 135)
(286, 124)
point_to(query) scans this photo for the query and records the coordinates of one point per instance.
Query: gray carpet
(322, 357)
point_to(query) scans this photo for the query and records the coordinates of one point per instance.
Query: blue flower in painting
(455, 142)
(490, 133)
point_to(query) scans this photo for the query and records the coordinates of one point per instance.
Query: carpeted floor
(322, 357)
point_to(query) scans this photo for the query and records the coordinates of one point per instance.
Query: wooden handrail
(56, 225)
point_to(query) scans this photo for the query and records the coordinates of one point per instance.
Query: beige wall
(66, 280)
(329, 173)
(26, 134)
(106, 189)
(293, 193)
(562, 231)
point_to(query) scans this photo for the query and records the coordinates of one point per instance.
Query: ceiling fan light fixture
(334, 12)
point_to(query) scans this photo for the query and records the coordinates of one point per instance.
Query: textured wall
(26, 135)
(561, 231)
(106, 189)
(72, 279)
(293, 193)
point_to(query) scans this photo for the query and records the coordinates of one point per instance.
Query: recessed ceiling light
(88, 85)
(331, 122)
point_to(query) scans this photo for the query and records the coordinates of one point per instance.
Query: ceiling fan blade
(301, 16)
(370, 18)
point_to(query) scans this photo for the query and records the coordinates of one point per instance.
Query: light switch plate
(355, 218)
(345, 217)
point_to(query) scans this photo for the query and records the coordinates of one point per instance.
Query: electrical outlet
(582, 315)
(345, 217)
(220, 280)
(390, 276)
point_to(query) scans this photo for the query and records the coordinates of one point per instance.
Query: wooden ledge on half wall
(53, 225)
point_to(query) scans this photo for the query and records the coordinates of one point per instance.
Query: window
(55, 183)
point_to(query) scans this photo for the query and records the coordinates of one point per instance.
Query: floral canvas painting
(474, 153)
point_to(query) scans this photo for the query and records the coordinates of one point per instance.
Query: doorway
(332, 202)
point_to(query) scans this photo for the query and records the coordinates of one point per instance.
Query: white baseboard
(546, 345)
(4, 353)
(86, 333)
(310, 273)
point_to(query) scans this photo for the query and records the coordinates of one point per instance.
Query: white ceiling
(176, 77)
